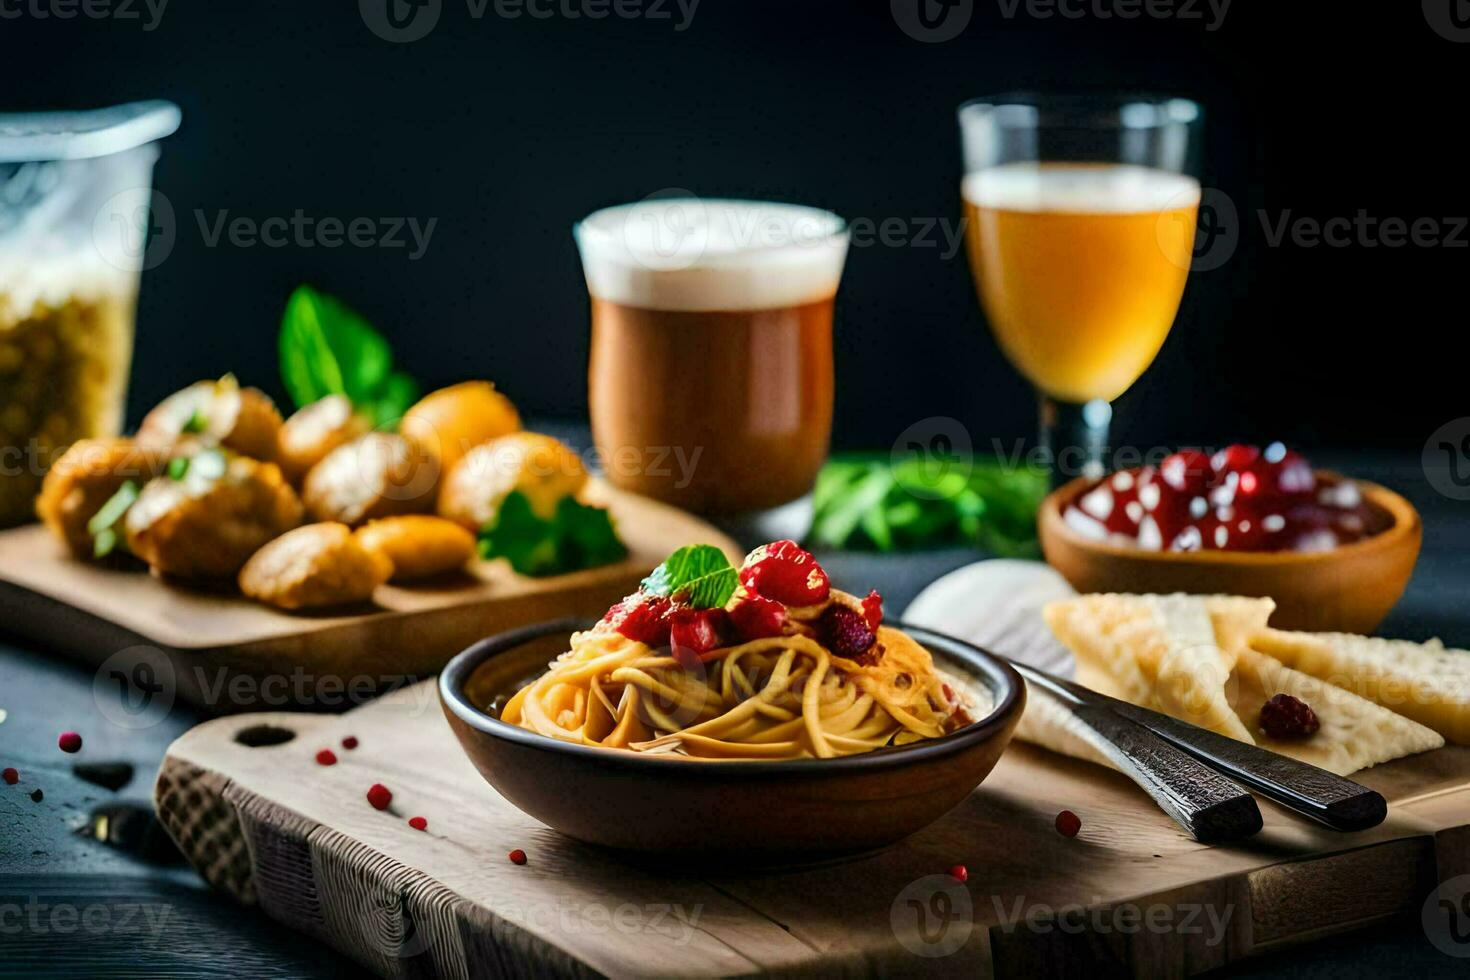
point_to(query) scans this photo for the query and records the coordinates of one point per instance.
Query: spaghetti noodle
(798, 693)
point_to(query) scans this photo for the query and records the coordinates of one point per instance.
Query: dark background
(507, 131)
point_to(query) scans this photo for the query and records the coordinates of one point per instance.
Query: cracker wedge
(1160, 651)
(1423, 681)
(1355, 732)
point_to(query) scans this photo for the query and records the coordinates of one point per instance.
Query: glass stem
(1074, 438)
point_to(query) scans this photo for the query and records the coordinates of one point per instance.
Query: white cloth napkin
(996, 605)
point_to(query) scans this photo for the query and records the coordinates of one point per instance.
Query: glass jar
(76, 206)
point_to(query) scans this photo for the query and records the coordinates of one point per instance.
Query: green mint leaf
(103, 524)
(398, 394)
(588, 538)
(577, 537)
(699, 574)
(327, 348)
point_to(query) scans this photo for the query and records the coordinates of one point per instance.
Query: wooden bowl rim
(1005, 684)
(1406, 522)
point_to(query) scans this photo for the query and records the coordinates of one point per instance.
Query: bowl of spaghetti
(755, 713)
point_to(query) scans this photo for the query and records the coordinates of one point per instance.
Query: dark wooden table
(71, 906)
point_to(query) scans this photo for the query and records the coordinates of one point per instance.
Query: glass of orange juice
(1080, 225)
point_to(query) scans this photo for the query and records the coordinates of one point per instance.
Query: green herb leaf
(103, 524)
(876, 504)
(577, 537)
(327, 348)
(178, 467)
(699, 574)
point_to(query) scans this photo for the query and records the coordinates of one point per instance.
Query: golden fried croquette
(215, 413)
(314, 565)
(314, 430)
(540, 467)
(85, 477)
(418, 545)
(208, 519)
(376, 475)
(452, 421)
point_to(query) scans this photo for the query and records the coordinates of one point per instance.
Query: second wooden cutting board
(1130, 894)
(229, 654)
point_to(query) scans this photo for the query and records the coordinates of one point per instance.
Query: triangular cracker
(1422, 681)
(1355, 732)
(1160, 651)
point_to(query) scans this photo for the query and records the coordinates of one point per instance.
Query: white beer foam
(692, 254)
(1080, 188)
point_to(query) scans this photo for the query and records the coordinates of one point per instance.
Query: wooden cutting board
(229, 654)
(1130, 894)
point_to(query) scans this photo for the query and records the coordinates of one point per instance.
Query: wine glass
(1080, 224)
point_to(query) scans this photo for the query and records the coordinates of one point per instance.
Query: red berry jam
(696, 631)
(845, 633)
(641, 617)
(1240, 499)
(784, 571)
(1289, 718)
(755, 617)
(873, 610)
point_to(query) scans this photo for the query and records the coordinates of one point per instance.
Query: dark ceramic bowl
(794, 810)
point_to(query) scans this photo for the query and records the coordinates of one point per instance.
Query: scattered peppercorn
(1068, 823)
(10, 775)
(69, 742)
(38, 796)
(326, 757)
(350, 742)
(517, 856)
(418, 823)
(1286, 717)
(959, 873)
(379, 796)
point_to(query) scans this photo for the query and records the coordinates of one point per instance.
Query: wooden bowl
(1348, 589)
(791, 811)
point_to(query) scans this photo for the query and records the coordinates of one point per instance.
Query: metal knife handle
(1314, 793)
(1203, 802)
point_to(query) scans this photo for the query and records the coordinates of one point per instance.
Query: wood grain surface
(228, 654)
(1131, 894)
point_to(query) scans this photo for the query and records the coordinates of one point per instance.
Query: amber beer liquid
(1080, 268)
(710, 379)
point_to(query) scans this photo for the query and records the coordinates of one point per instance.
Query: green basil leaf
(398, 394)
(699, 574)
(327, 348)
(577, 537)
(588, 538)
